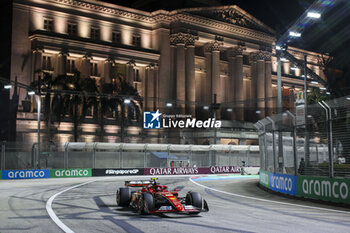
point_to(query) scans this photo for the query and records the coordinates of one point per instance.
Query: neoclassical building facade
(183, 57)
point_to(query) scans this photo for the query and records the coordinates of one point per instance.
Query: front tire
(145, 203)
(194, 199)
(123, 197)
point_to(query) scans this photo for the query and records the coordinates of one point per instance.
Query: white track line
(52, 214)
(265, 200)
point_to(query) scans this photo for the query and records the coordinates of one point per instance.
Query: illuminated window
(72, 29)
(46, 63)
(136, 40)
(70, 66)
(116, 37)
(48, 25)
(95, 33)
(94, 69)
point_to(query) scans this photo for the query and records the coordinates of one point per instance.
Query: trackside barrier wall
(88, 172)
(320, 188)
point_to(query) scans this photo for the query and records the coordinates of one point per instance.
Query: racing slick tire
(123, 197)
(194, 199)
(145, 203)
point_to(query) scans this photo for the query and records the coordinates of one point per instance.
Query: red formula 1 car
(155, 198)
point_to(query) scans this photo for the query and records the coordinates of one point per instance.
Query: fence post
(273, 142)
(294, 142)
(65, 159)
(3, 156)
(190, 164)
(230, 156)
(330, 139)
(168, 156)
(94, 155)
(262, 150)
(121, 156)
(145, 156)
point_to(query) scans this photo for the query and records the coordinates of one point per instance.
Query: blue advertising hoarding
(283, 183)
(25, 174)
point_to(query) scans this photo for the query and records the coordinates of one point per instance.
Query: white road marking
(265, 200)
(52, 214)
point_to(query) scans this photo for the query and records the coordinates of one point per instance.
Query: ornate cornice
(221, 26)
(232, 16)
(159, 17)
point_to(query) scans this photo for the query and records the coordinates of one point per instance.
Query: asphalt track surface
(88, 205)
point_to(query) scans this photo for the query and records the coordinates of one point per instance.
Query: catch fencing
(124, 155)
(312, 141)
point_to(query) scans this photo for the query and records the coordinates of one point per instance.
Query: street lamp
(32, 93)
(314, 15)
(294, 34)
(8, 86)
(125, 101)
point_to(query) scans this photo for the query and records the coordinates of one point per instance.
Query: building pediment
(232, 15)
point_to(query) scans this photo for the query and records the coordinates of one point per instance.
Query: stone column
(164, 64)
(172, 80)
(231, 83)
(260, 88)
(156, 87)
(85, 66)
(61, 63)
(215, 72)
(190, 75)
(107, 71)
(238, 83)
(268, 84)
(130, 72)
(150, 87)
(207, 96)
(37, 62)
(253, 86)
(180, 70)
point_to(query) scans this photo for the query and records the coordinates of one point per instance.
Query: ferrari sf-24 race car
(154, 198)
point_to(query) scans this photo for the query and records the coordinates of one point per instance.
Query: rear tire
(146, 203)
(123, 197)
(194, 199)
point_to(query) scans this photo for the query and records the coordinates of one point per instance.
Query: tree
(80, 102)
(118, 91)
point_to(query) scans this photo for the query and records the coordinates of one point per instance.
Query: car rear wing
(137, 183)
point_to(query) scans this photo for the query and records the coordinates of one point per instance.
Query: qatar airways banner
(191, 170)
